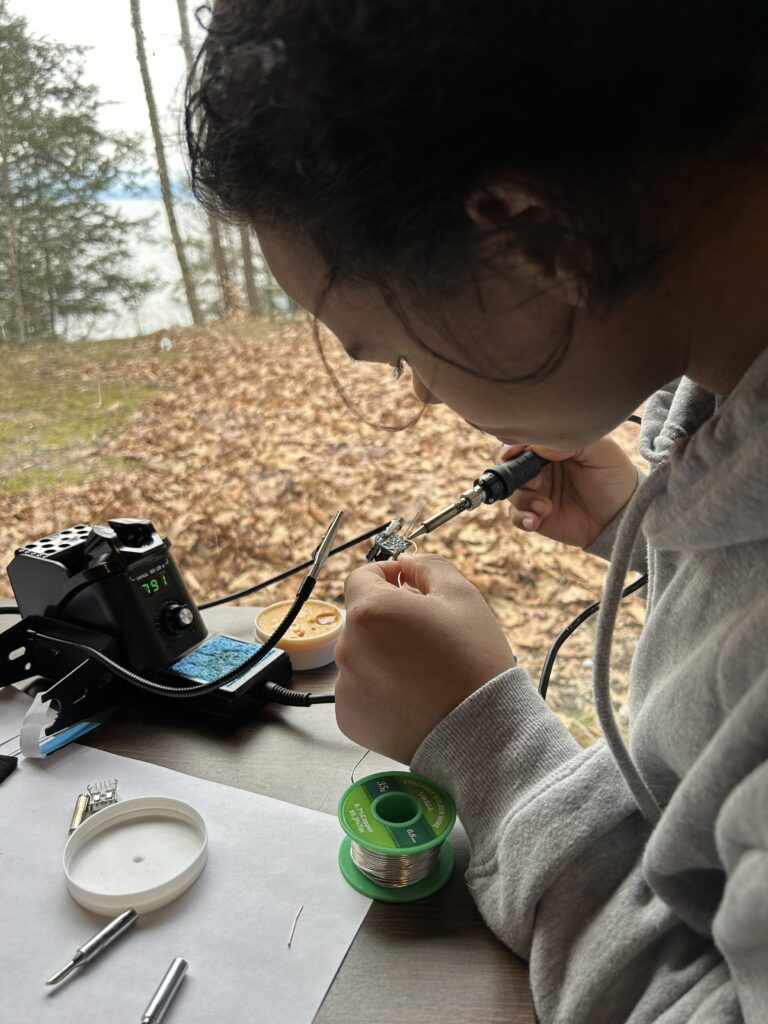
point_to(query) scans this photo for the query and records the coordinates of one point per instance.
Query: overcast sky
(105, 27)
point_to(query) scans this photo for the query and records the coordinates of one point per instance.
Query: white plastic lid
(139, 853)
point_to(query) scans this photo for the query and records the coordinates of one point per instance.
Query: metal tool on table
(95, 945)
(496, 483)
(167, 989)
(82, 806)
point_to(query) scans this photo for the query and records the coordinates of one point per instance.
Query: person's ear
(521, 227)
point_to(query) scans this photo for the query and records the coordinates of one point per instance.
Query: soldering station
(105, 613)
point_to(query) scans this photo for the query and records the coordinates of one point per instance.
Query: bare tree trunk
(256, 302)
(228, 297)
(162, 167)
(219, 255)
(13, 249)
(49, 285)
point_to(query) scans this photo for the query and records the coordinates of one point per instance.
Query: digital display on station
(155, 584)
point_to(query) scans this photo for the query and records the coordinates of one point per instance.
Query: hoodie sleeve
(741, 923)
(556, 867)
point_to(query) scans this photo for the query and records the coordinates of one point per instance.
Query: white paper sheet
(266, 859)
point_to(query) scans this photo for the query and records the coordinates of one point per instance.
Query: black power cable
(294, 698)
(549, 661)
(289, 572)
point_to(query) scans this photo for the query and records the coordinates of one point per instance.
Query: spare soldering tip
(97, 944)
(66, 970)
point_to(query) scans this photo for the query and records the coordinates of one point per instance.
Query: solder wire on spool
(396, 846)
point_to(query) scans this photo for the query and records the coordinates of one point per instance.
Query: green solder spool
(396, 846)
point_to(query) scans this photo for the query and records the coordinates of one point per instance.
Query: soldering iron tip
(62, 974)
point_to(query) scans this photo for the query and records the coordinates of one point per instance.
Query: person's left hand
(408, 657)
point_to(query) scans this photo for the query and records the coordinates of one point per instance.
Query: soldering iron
(495, 484)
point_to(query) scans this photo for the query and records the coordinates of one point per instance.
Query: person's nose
(422, 392)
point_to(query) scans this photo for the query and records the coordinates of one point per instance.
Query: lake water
(154, 256)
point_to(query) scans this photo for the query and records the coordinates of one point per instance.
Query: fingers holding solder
(370, 576)
(408, 656)
(432, 575)
(372, 595)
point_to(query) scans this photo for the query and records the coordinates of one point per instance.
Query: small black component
(8, 764)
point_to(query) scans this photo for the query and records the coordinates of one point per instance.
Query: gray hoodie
(636, 882)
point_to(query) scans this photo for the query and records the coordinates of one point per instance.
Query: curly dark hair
(363, 125)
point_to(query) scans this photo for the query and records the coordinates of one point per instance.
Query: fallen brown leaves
(248, 450)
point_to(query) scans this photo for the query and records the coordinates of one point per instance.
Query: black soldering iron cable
(290, 572)
(199, 690)
(571, 628)
(180, 692)
(276, 693)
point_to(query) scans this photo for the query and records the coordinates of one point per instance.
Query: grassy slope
(58, 401)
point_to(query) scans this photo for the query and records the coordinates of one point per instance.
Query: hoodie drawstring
(601, 675)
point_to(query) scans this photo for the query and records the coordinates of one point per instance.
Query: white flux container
(139, 853)
(312, 650)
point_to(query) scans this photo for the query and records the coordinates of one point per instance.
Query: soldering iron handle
(500, 481)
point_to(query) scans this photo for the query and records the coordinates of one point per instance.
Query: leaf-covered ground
(235, 443)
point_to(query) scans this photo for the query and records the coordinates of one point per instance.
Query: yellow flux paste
(315, 620)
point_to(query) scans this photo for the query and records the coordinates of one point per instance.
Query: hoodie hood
(715, 448)
(703, 450)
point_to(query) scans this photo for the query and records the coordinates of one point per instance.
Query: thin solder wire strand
(415, 521)
(357, 765)
(394, 870)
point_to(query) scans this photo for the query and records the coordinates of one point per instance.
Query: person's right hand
(577, 495)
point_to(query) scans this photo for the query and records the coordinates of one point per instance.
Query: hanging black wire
(549, 661)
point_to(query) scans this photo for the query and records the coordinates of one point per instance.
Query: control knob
(175, 617)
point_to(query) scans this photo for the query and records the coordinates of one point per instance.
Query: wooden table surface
(429, 962)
